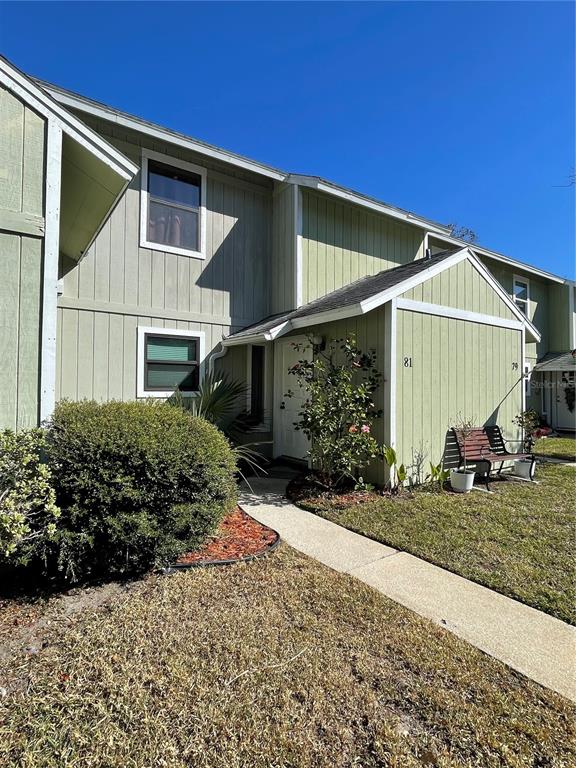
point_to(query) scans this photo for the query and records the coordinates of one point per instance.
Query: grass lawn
(559, 447)
(278, 663)
(518, 540)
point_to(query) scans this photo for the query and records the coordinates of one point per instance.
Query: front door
(287, 440)
(565, 418)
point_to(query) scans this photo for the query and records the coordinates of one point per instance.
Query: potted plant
(529, 423)
(462, 479)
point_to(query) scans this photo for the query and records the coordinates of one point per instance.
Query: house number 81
(407, 362)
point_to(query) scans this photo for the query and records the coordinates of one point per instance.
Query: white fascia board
(457, 314)
(489, 277)
(353, 310)
(520, 265)
(499, 257)
(313, 182)
(45, 105)
(156, 131)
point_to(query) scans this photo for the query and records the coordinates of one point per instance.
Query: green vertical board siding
(21, 192)
(370, 333)
(541, 304)
(21, 156)
(462, 287)
(118, 285)
(283, 267)
(559, 318)
(20, 307)
(342, 242)
(447, 367)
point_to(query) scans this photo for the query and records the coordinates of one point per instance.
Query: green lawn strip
(281, 662)
(558, 447)
(518, 540)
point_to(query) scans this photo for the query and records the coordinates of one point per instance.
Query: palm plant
(219, 401)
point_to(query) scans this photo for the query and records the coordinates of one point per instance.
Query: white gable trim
(367, 305)
(435, 269)
(457, 314)
(489, 277)
(42, 103)
(314, 182)
(156, 131)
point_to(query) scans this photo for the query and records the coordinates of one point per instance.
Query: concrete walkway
(537, 645)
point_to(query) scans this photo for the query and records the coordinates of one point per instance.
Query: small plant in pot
(462, 479)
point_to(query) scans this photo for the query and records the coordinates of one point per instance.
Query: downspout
(216, 356)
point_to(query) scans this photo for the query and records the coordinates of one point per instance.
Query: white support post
(50, 270)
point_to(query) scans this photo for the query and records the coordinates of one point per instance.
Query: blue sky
(459, 111)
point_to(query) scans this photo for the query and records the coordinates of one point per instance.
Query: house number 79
(407, 362)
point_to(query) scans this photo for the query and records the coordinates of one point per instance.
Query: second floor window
(521, 295)
(172, 206)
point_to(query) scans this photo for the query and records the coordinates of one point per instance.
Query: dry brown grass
(277, 663)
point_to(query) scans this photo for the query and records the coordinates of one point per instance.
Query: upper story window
(521, 294)
(172, 208)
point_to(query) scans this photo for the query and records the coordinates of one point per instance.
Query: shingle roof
(348, 295)
(556, 361)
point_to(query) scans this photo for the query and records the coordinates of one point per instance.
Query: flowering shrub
(529, 423)
(339, 409)
(28, 511)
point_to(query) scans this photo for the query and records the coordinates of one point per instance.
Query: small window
(521, 295)
(172, 209)
(168, 360)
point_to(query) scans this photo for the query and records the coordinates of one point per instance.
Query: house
(135, 258)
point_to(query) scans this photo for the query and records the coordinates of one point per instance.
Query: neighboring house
(156, 256)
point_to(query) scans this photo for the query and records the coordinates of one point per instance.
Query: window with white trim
(169, 360)
(172, 210)
(521, 294)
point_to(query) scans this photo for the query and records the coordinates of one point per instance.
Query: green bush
(28, 511)
(138, 483)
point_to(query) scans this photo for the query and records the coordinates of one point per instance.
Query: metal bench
(487, 446)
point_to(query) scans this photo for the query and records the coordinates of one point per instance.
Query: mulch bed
(305, 489)
(239, 537)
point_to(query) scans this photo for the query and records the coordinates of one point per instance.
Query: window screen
(171, 363)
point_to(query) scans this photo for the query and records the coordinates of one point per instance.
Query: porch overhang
(358, 299)
(556, 362)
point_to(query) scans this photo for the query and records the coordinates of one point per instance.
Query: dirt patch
(27, 626)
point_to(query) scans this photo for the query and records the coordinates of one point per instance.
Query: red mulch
(238, 536)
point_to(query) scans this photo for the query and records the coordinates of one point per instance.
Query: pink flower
(353, 429)
(365, 428)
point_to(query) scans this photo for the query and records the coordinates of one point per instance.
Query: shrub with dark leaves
(137, 483)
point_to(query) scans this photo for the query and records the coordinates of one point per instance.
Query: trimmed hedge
(138, 483)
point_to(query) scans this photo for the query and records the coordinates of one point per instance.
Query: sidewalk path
(538, 645)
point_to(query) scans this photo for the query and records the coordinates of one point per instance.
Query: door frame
(278, 389)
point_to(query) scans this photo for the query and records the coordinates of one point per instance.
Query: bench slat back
(475, 445)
